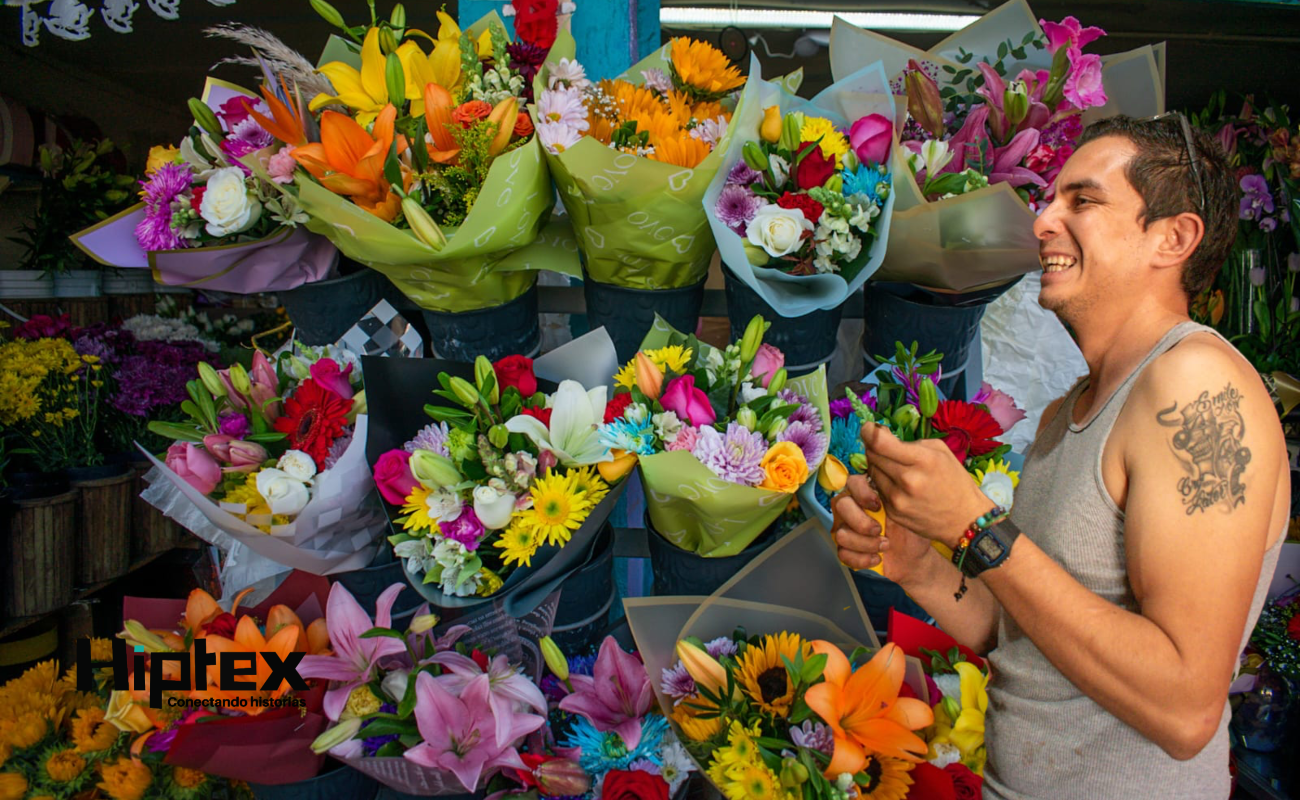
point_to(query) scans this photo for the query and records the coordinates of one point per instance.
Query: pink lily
(1007, 159)
(508, 688)
(458, 731)
(616, 697)
(355, 659)
(993, 90)
(264, 385)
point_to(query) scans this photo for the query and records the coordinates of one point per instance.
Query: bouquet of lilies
(211, 212)
(504, 489)
(993, 113)
(418, 710)
(722, 437)
(278, 451)
(422, 165)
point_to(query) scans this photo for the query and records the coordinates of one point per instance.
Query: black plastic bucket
(627, 314)
(342, 781)
(586, 598)
(496, 332)
(807, 341)
(948, 323)
(323, 311)
(679, 572)
(33, 485)
(367, 583)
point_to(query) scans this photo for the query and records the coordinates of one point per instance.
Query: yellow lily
(968, 729)
(364, 91)
(442, 66)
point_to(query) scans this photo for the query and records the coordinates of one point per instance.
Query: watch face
(990, 549)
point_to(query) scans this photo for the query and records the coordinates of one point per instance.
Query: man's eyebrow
(1083, 183)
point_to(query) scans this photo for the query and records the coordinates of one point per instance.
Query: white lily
(576, 417)
(936, 156)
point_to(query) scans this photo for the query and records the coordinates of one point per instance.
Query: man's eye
(1080, 200)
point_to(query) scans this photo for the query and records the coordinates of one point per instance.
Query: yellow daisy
(489, 582)
(763, 676)
(558, 509)
(997, 466)
(833, 144)
(416, 510)
(518, 543)
(586, 482)
(673, 358)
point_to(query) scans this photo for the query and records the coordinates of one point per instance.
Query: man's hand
(861, 545)
(924, 487)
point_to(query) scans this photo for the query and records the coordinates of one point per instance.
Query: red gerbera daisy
(313, 417)
(968, 429)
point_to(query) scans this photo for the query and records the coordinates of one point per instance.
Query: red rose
(196, 200)
(810, 207)
(617, 405)
(931, 783)
(516, 371)
(222, 625)
(968, 785)
(815, 169)
(634, 785)
(1293, 627)
(543, 414)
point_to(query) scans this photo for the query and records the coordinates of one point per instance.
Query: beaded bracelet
(982, 523)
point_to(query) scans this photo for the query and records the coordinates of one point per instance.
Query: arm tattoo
(1208, 444)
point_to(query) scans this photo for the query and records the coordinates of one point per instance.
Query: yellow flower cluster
(738, 768)
(33, 374)
(831, 142)
(560, 504)
(666, 119)
(255, 505)
(672, 358)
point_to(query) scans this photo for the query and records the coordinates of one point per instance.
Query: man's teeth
(1057, 263)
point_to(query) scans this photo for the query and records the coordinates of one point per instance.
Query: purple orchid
(459, 734)
(1256, 200)
(509, 690)
(355, 659)
(616, 697)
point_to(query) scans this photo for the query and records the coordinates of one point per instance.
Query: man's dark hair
(1161, 172)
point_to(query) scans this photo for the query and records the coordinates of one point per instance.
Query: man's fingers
(849, 514)
(854, 560)
(858, 542)
(863, 493)
(883, 445)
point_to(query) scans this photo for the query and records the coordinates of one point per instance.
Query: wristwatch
(988, 549)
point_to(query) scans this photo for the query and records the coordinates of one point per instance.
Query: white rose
(284, 493)
(778, 230)
(298, 465)
(997, 487)
(443, 504)
(493, 507)
(227, 205)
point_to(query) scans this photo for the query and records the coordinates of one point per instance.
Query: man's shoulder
(1205, 364)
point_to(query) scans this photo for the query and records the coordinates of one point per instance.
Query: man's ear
(1179, 237)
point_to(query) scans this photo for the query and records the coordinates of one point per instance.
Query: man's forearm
(973, 620)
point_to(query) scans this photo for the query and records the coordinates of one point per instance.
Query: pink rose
(1069, 33)
(327, 375)
(393, 476)
(1083, 88)
(871, 137)
(688, 403)
(194, 466)
(766, 362)
(1001, 406)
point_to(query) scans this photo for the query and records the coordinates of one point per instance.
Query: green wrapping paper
(639, 222)
(695, 509)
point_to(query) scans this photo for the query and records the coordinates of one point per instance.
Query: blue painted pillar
(612, 35)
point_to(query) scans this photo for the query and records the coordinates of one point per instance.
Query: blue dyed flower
(634, 436)
(845, 441)
(867, 181)
(602, 752)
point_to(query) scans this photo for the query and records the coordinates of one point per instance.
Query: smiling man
(1115, 598)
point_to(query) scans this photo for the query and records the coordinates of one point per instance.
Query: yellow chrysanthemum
(703, 67)
(558, 509)
(890, 779)
(756, 782)
(588, 483)
(125, 779)
(625, 378)
(673, 358)
(64, 766)
(832, 144)
(489, 583)
(362, 701)
(683, 151)
(247, 495)
(518, 542)
(763, 676)
(416, 510)
(188, 778)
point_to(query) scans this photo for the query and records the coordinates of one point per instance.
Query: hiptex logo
(233, 667)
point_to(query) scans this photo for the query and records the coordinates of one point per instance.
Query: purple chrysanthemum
(812, 442)
(432, 437)
(233, 424)
(742, 174)
(735, 456)
(814, 736)
(677, 683)
(373, 744)
(841, 408)
(337, 450)
(721, 647)
(90, 346)
(155, 231)
(736, 206)
(167, 183)
(806, 412)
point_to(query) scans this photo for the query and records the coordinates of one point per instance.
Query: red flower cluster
(953, 782)
(810, 207)
(617, 405)
(1293, 627)
(543, 414)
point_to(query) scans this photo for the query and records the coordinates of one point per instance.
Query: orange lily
(437, 116)
(864, 710)
(349, 161)
(248, 639)
(312, 639)
(286, 123)
(201, 609)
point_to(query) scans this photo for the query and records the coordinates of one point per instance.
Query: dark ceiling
(134, 85)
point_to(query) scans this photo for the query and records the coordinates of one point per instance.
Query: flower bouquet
(800, 208)
(425, 167)
(785, 686)
(249, 735)
(984, 148)
(208, 218)
(63, 743)
(420, 711)
(723, 439)
(274, 460)
(497, 489)
(50, 397)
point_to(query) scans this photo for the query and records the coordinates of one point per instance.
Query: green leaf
(814, 667)
(375, 633)
(389, 727)
(394, 749)
(274, 436)
(1019, 53)
(176, 431)
(407, 706)
(949, 69)
(1002, 51)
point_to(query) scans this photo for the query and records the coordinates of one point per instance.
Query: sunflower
(702, 71)
(416, 509)
(708, 109)
(314, 417)
(188, 783)
(600, 128)
(518, 543)
(763, 675)
(90, 733)
(64, 766)
(832, 143)
(659, 124)
(683, 151)
(586, 482)
(125, 779)
(673, 358)
(558, 509)
(889, 779)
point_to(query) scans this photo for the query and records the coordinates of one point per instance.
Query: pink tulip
(266, 385)
(240, 455)
(688, 403)
(327, 375)
(1001, 407)
(871, 137)
(194, 466)
(766, 363)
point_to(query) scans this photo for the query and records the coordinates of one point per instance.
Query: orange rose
(523, 124)
(784, 468)
(467, 113)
